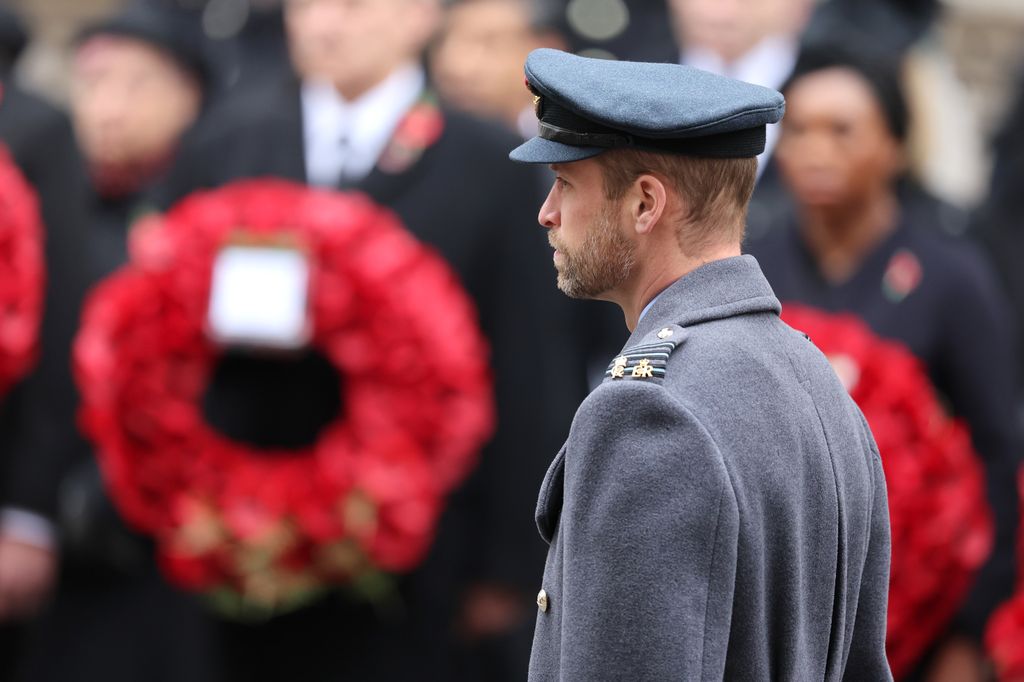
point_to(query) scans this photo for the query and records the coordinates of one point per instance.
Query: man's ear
(649, 196)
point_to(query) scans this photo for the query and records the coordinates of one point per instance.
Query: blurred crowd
(867, 202)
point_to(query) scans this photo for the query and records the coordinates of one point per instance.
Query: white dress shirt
(343, 140)
(768, 64)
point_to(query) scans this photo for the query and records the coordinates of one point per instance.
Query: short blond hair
(716, 192)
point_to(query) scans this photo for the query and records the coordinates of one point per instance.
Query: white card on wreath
(258, 297)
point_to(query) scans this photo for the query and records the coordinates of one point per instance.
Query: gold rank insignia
(643, 369)
(647, 360)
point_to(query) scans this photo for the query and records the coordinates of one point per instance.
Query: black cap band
(577, 139)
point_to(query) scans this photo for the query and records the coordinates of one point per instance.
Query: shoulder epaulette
(649, 358)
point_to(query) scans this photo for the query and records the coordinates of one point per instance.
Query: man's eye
(560, 181)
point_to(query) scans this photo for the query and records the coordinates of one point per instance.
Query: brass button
(665, 333)
(542, 601)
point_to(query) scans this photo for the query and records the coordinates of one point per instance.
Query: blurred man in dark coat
(136, 86)
(361, 116)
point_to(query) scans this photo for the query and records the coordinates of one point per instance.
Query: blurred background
(897, 196)
(979, 42)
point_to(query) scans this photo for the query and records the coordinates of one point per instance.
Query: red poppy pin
(418, 131)
(902, 276)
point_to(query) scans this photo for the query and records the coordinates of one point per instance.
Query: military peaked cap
(587, 106)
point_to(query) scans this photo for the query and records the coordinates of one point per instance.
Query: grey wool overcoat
(719, 508)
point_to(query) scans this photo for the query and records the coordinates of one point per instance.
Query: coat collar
(715, 290)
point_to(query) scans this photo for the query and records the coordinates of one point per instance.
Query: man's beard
(601, 263)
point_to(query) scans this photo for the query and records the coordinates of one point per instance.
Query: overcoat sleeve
(649, 530)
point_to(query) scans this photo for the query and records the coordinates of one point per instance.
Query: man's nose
(549, 216)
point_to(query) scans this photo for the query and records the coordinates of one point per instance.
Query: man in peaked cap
(719, 508)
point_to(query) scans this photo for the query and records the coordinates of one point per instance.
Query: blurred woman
(854, 246)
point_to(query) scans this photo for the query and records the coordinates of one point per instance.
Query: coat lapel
(549, 504)
(407, 156)
(291, 159)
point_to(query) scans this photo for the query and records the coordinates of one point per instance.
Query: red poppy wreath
(1004, 636)
(21, 273)
(940, 520)
(262, 533)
